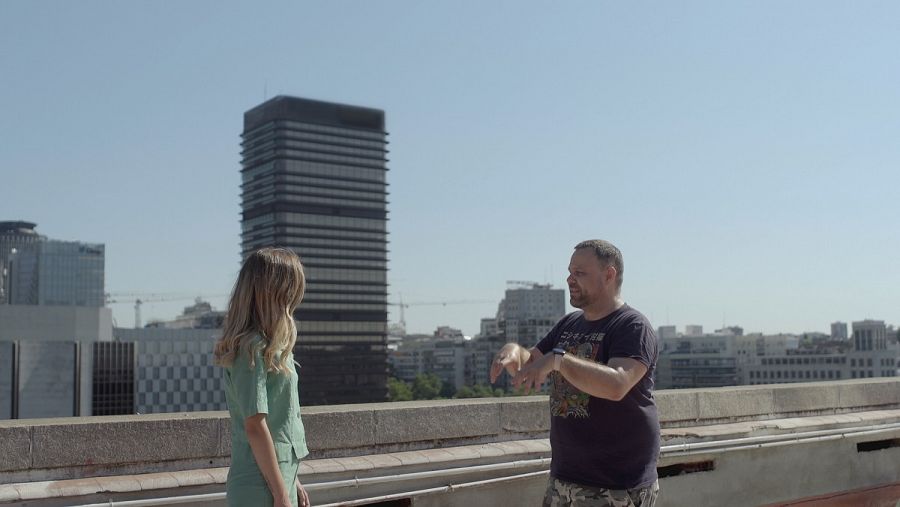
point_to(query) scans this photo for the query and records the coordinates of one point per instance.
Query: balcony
(825, 443)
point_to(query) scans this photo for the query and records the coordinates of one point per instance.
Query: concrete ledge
(317, 473)
(713, 404)
(436, 421)
(524, 415)
(865, 391)
(15, 448)
(51, 449)
(683, 407)
(809, 399)
(155, 439)
(339, 429)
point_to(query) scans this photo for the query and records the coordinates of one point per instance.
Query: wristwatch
(558, 354)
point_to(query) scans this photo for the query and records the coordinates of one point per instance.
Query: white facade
(55, 323)
(667, 332)
(713, 360)
(693, 330)
(526, 315)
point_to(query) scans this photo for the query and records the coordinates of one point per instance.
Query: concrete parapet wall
(690, 407)
(50, 449)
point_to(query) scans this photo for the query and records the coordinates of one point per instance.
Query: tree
(398, 390)
(483, 391)
(426, 387)
(479, 391)
(448, 390)
(466, 392)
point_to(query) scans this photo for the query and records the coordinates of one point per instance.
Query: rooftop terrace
(825, 443)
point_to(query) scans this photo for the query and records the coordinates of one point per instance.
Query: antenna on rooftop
(137, 313)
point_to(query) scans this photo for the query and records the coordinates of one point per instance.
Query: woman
(267, 437)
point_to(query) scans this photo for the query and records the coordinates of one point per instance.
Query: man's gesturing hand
(532, 376)
(511, 357)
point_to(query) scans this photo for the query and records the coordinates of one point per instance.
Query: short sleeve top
(251, 390)
(595, 441)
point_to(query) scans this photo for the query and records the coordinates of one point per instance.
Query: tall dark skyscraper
(313, 180)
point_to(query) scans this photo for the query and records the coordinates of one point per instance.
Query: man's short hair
(608, 254)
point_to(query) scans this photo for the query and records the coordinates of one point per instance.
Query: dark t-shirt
(598, 442)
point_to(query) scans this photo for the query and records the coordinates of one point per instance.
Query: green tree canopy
(426, 386)
(398, 390)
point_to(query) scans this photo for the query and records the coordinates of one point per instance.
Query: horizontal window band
(345, 131)
(282, 226)
(273, 186)
(341, 159)
(273, 151)
(310, 209)
(283, 128)
(279, 171)
(340, 316)
(342, 266)
(282, 230)
(281, 156)
(281, 137)
(281, 194)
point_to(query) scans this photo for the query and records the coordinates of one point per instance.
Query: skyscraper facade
(58, 273)
(35, 270)
(14, 236)
(314, 180)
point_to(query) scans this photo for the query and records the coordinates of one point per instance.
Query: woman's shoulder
(249, 346)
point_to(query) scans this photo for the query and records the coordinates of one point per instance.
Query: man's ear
(611, 274)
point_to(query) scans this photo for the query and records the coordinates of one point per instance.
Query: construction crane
(139, 298)
(403, 306)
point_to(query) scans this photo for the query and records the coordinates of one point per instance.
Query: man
(604, 429)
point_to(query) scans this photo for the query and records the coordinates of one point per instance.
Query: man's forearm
(595, 379)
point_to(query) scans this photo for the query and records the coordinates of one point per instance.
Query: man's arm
(610, 382)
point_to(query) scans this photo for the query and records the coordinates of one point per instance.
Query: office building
(693, 330)
(839, 331)
(41, 271)
(457, 361)
(14, 236)
(697, 361)
(314, 180)
(667, 332)
(148, 370)
(55, 323)
(65, 378)
(869, 335)
(529, 311)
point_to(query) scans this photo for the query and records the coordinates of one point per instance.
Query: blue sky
(743, 155)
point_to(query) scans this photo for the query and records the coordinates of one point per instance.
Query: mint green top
(250, 391)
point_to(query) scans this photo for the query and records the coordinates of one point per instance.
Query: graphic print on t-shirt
(565, 399)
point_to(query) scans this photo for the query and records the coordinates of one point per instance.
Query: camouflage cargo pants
(568, 494)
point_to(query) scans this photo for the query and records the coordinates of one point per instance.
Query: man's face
(586, 279)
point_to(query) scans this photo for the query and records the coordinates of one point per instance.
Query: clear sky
(745, 156)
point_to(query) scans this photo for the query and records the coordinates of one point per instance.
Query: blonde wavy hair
(268, 289)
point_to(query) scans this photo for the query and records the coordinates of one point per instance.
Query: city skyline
(741, 156)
